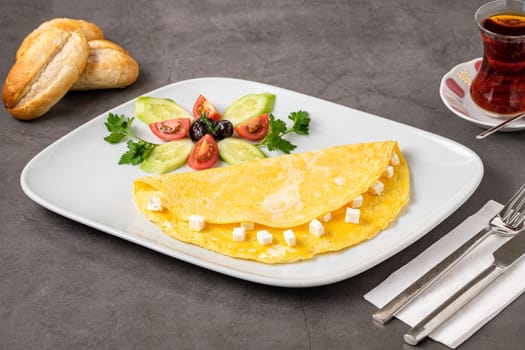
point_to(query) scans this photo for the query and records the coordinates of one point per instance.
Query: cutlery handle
(452, 304)
(384, 314)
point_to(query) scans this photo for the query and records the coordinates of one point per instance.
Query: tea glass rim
(495, 7)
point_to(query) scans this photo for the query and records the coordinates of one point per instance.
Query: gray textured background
(65, 285)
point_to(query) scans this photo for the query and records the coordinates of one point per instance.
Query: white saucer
(455, 93)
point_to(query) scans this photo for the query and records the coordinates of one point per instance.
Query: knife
(504, 257)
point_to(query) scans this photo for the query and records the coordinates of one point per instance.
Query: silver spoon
(499, 126)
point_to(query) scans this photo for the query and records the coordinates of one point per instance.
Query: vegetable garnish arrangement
(201, 138)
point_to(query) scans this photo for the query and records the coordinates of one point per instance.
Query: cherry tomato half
(254, 129)
(171, 129)
(202, 105)
(204, 154)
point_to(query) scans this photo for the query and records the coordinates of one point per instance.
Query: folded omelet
(325, 200)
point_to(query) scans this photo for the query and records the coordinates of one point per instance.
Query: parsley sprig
(275, 140)
(119, 128)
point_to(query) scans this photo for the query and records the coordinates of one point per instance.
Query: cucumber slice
(153, 109)
(237, 151)
(167, 157)
(249, 106)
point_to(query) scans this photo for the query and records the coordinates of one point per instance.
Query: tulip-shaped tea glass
(499, 86)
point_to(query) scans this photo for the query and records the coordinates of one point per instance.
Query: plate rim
(257, 278)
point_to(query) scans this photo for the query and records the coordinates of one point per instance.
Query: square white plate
(78, 177)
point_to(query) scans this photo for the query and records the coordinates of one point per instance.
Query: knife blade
(504, 257)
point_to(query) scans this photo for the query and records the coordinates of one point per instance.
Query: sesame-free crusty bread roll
(109, 66)
(89, 30)
(43, 75)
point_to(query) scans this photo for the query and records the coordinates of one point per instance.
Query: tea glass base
(497, 115)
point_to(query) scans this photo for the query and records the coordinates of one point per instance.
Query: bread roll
(109, 66)
(89, 30)
(48, 69)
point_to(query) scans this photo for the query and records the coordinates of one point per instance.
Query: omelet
(282, 209)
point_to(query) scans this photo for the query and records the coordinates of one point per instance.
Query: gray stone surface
(64, 285)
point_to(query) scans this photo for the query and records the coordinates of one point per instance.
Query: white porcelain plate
(455, 93)
(78, 177)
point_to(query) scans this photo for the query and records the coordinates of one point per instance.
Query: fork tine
(512, 220)
(507, 216)
(518, 220)
(520, 206)
(518, 215)
(510, 207)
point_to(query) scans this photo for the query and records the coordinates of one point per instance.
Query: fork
(508, 222)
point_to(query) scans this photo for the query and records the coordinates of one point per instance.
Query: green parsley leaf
(277, 126)
(274, 141)
(137, 152)
(280, 144)
(115, 137)
(118, 126)
(301, 122)
(114, 122)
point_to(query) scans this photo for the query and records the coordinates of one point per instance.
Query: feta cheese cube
(316, 228)
(196, 222)
(154, 204)
(357, 202)
(389, 172)
(340, 181)
(377, 188)
(264, 237)
(327, 217)
(352, 215)
(289, 237)
(239, 234)
(395, 159)
(248, 226)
